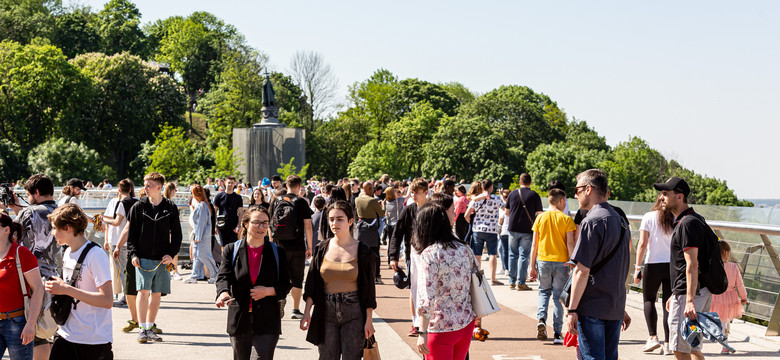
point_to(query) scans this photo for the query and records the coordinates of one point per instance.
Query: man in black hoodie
(153, 240)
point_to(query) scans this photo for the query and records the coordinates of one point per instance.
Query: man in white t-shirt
(106, 185)
(115, 218)
(87, 331)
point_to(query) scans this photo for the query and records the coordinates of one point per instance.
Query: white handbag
(482, 299)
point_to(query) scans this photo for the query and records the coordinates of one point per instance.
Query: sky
(698, 80)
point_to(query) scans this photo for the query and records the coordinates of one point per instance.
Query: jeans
(10, 338)
(552, 278)
(201, 255)
(519, 249)
(344, 335)
(503, 251)
(598, 338)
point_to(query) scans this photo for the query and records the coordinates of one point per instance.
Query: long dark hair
(344, 206)
(16, 228)
(432, 226)
(665, 217)
(336, 194)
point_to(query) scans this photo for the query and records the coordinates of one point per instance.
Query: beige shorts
(703, 302)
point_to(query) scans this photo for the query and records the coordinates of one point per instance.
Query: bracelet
(571, 311)
(422, 332)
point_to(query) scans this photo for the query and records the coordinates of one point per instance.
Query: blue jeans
(598, 338)
(482, 240)
(10, 338)
(552, 278)
(201, 255)
(519, 249)
(503, 251)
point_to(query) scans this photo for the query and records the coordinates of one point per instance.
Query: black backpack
(284, 220)
(61, 305)
(712, 273)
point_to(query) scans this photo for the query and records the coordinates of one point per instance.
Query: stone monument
(269, 144)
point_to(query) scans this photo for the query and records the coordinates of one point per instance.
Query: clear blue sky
(699, 80)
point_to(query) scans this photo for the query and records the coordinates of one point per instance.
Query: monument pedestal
(266, 147)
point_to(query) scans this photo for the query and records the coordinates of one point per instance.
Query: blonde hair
(170, 191)
(475, 190)
(155, 176)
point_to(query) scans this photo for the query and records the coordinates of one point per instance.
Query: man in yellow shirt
(552, 247)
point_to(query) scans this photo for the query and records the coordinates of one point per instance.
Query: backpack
(284, 220)
(273, 247)
(712, 273)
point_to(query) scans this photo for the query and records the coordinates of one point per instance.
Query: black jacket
(236, 280)
(153, 235)
(315, 287)
(402, 232)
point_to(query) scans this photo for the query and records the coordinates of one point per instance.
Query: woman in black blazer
(252, 278)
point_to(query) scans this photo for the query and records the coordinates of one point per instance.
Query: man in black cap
(72, 191)
(692, 242)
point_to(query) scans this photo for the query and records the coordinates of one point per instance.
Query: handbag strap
(520, 195)
(595, 269)
(21, 276)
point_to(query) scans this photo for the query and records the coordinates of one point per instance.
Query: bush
(61, 160)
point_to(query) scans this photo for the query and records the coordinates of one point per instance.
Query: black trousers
(254, 346)
(656, 276)
(64, 349)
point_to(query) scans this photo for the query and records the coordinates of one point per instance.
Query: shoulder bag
(482, 299)
(45, 327)
(566, 293)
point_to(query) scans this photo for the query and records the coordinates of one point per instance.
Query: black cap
(400, 280)
(676, 184)
(76, 183)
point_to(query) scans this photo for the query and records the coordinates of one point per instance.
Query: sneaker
(143, 338)
(212, 281)
(557, 339)
(120, 303)
(523, 287)
(512, 286)
(414, 332)
(541, 330)
(131, 325)
(152, 336)
(724, 351)
(378, 281)
(496, 283)
(282, 304)
(651, 345)
(156, 330)
(176, 276)
(296, 314)
(190, 281)
(665, 350)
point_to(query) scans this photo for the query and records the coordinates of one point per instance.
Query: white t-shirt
(505, 224)
(87, 324)
(112, 235)
(73, 200)
(107, 187)
(658, 247)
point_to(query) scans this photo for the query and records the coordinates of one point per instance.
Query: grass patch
(198, 131)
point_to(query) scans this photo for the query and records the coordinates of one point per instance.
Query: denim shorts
(157, 280)
(482, 239)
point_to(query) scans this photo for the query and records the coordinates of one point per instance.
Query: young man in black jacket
(154, 238)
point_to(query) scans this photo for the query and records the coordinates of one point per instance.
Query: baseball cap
(76, 183)
(400, 280)
(676, 184)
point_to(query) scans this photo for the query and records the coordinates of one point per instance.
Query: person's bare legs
(42, 352)
(492, 262)
(154, 307)
(142, 305)
(296, 295)
(693, 355)
(132, 307)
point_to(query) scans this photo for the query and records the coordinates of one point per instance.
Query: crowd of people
(256, 255)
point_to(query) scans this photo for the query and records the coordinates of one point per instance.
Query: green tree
(704, 189)
(130, 102)
(460, 92)
(561, 161)
(76, 32)
(290, 169)
(411, 92)
(119, 27)
(415, 128)
(632, 168)
(40, 89)
(376, 158)
(173, 155)
(336, 143)
(579, 134)
(61, 160)
(24, 20)
(469, 148)
(226, 163)
(374, 100)
(13, 162)
(292, 104)
(236, 100)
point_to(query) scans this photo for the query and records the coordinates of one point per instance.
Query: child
(729, 305)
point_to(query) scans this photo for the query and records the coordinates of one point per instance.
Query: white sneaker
(190, 281)
(176, 276)
(665, 350)
(651, 345)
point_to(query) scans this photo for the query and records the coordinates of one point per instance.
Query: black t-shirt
(690, 231)
(228, 204)
(519, 220)
(302, 212)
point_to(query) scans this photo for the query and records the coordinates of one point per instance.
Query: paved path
(195, 329)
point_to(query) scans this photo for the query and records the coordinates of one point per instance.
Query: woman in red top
(17, 333)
